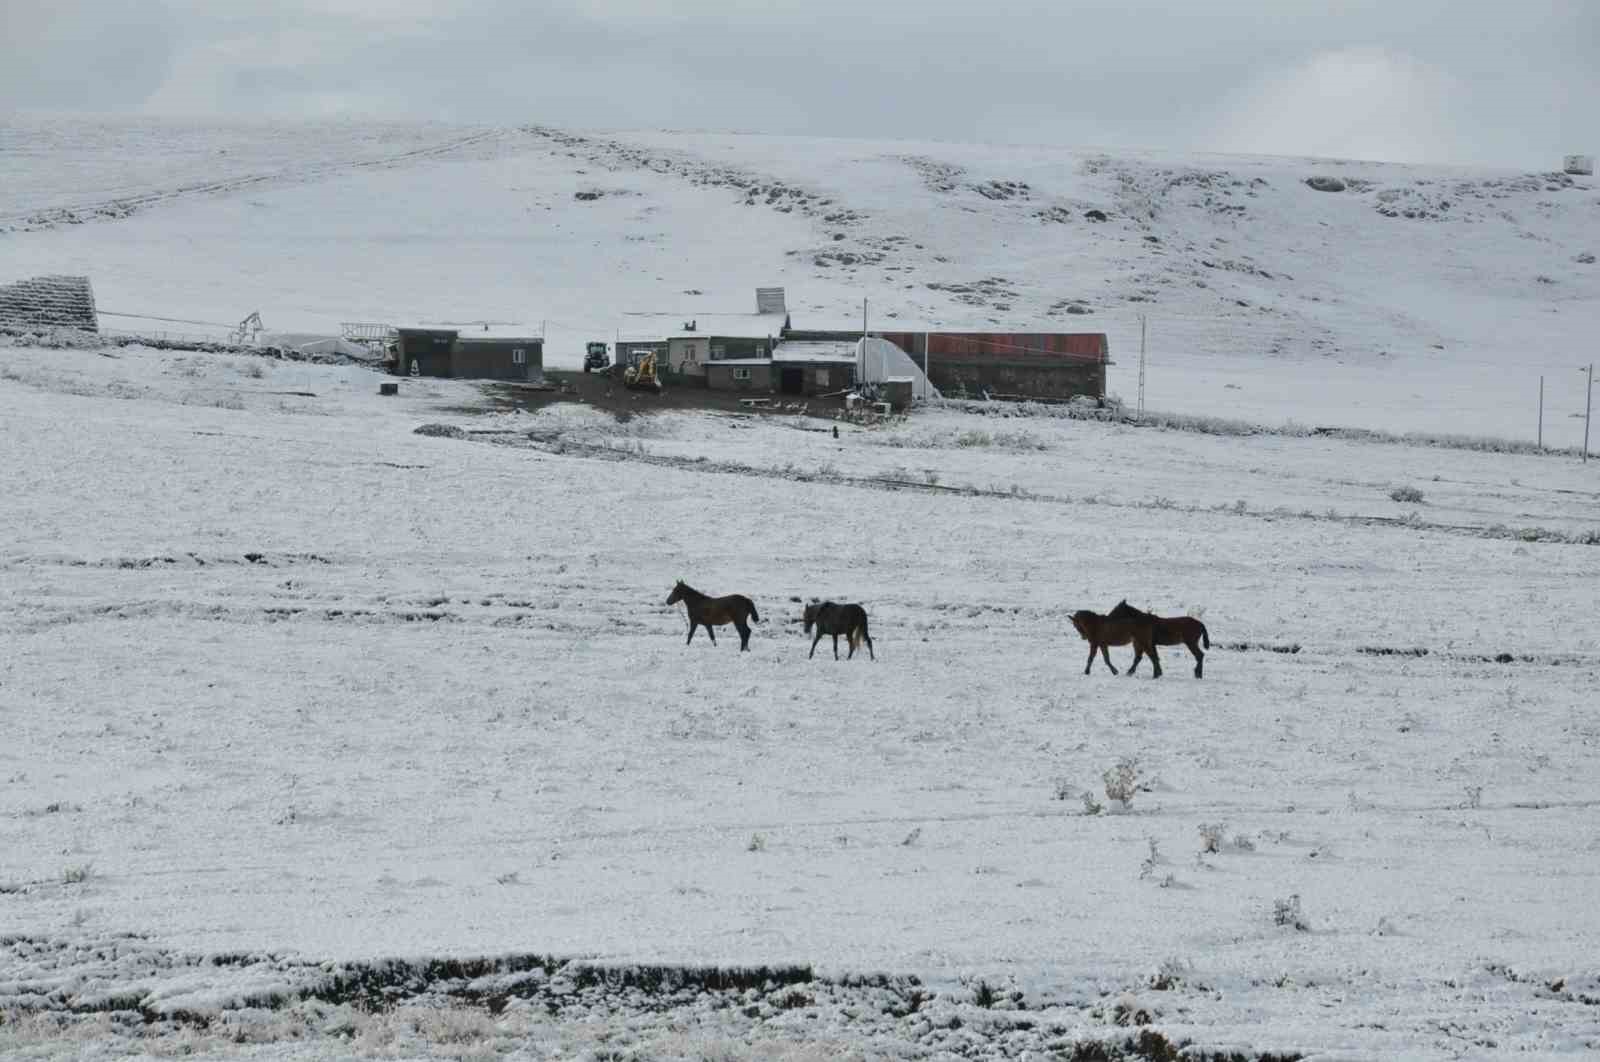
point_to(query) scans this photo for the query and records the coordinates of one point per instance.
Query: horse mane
(687, 590)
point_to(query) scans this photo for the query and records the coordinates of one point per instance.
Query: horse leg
(836, 647)
(1199, 659)
(691, 631)
(744, 636)
(814, 642)
(870, 654)
(1105, 652)
(1155, 660)
(1090, 665)
(1138, 655)
(711, 632)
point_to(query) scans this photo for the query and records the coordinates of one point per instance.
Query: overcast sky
(1499, 82)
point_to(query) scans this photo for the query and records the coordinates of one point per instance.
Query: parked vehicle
(596, 358)
(641, 376)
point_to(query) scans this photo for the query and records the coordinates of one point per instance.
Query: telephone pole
(1588, 403)
(1141, 365)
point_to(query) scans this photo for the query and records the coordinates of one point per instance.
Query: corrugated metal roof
(811, 350)
(468, 332)
(1076, 346)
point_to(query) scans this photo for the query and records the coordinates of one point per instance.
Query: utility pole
(864, 370)
(1588, 403)
(927, 365)
(1541, 412)
(1141, 365)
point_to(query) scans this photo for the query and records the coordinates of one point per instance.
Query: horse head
(677, 592)
(811, 614)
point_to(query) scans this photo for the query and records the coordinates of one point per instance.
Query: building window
(761, 350)
(716, 351)
(822, 377)
(741, 374)
(519, 356)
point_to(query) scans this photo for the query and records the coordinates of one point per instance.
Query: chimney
(770, 300)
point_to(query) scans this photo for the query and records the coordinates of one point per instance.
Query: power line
(153, 317)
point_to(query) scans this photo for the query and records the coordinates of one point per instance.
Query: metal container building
(478, 352)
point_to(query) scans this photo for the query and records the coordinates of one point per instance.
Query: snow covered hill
(1426, 298)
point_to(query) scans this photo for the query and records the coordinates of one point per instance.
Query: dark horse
(1102, 631)
(848, 620)
(714, 612)
(1150, 631)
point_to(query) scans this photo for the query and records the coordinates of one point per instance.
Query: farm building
(690, 345)
(687, 345)
(791, 368)
(740, 374)
(480, 352)
(1031, 364)
(1034, 364)
(684, 348)
(49, 302)
(814, 368)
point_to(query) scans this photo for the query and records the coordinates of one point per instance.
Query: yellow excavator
(641, 375)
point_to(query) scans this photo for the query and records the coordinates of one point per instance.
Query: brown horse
(1102, 631)
(848, 620)
(1150, 631)
(714, 612)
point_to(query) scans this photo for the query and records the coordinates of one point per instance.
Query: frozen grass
(1203, 424)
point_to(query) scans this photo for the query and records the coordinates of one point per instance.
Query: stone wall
(49, 302)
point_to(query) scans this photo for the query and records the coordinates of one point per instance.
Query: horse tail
(1205, 636)
(753, 614)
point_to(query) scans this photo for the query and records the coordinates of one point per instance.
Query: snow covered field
(1419, 298)
(285, 682)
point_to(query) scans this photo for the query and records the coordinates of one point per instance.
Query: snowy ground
(282, 678)
(1420, 298)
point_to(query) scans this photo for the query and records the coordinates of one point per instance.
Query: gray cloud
(1426, 80)
(82, 54)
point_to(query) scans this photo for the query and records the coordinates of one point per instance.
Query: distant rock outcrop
(1326, 184)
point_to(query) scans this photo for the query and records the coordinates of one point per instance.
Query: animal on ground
(713, 612)
(1101, 632)
(1150, 631)
(834, 619)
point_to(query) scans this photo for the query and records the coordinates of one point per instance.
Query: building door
(792, 381)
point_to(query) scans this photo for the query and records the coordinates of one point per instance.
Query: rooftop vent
(770, 300)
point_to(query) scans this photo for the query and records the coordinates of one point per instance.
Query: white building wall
(688, 355)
